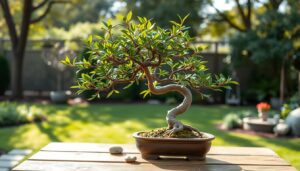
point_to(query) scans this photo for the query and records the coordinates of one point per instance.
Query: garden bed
(249, 132)
(12, 114)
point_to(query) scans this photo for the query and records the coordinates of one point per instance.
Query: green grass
(114, 123)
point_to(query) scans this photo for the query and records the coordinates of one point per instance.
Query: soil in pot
(162, 133)
(157, 144)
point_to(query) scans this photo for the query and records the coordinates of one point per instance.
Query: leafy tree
(163, 11)
(144, 51)
(272, 43)
(241, 17)
(19, 37)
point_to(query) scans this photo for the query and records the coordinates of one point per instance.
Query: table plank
(94, 166)
(92, 156)
(106, 157)
(131, 148)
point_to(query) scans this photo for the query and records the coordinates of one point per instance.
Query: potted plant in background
(263, 110)
(167, 60)
(53, 54)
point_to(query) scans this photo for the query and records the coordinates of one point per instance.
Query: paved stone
(7, 163)
(20, 152)
(4, 169)
(14, 157)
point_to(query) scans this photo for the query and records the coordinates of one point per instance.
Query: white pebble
(130, 159)
(116, 150)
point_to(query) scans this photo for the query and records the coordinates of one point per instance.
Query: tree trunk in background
(299, 83)
(16, 81)
(19, 40)
(282, 82)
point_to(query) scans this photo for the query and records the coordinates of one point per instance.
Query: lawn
(114, 123)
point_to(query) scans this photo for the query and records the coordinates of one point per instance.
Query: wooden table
(95, 157)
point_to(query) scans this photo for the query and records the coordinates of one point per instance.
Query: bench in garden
(90, 156)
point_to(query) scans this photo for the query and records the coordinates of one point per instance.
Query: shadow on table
(209, 164)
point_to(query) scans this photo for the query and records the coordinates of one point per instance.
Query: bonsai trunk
(173, 125)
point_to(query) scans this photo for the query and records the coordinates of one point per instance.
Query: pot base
(157, 157)
(159, 148)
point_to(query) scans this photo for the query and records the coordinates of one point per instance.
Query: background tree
(144, 51)
(163, 11)
(19, 36)
(241, 17)
(271, 45)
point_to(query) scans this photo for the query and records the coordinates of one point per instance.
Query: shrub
(232, 121)
(4, 75)
(14, 114)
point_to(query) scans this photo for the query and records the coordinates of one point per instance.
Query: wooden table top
(95, 157)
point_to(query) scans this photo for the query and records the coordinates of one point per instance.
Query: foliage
(162, 11)
(4, 75)
(269, 46)
(14, 114)
(231, 121)
(285, 110)
(295, 100)
(140, 48)
(79, 11)
(115, 123)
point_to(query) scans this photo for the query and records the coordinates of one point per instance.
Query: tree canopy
(141, 47)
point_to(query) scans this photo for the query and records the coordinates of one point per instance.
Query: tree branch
(24, 28)
(42, 4)
(10, 23)
(225, 18)
(249, 13)
(49, 6)
(242, 13)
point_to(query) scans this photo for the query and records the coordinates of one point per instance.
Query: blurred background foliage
(264, 39)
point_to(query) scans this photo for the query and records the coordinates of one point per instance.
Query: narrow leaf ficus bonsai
(139, 50)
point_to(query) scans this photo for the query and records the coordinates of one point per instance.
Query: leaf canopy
(123, 51)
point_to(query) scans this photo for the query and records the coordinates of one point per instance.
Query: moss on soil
(161, 133)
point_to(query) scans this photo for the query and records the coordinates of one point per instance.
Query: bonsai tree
(135, 51)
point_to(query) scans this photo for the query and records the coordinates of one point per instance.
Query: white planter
(59, 96)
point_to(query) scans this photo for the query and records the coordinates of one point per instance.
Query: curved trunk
(181, 108)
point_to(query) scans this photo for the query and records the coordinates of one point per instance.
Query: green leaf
(93, 97)
(234, 82)
(76, 86)
(145, 93)
(110, 93)
(85, 77)
(90, 39)
(129, 85)
(67, 60)
(175, 23)
(128, 17)
(184, 18)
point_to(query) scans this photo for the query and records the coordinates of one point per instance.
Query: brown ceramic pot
(191, 148)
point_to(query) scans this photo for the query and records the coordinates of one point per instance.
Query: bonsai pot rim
(207, 137)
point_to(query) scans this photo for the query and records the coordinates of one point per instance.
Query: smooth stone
(293, 120)
(281, 129)
(116, 150)
(130, 159)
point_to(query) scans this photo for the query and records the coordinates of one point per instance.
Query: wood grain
(94, 166)
(91, 156)
(131, 148)
(106, 157)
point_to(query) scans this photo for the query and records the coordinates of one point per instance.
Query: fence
(38, 76)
